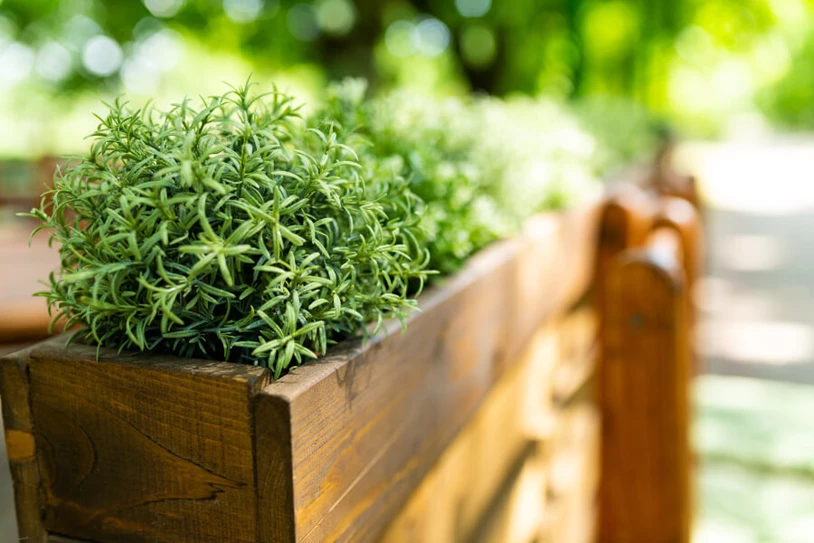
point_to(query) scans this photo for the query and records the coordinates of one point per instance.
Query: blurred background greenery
(709, 67)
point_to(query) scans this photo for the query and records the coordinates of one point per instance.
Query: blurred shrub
(482, 166)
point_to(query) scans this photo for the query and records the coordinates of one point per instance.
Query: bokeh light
(473, 8)
(242, 11)
(102, 55)
(478, 45)
(164, 8)
(336, 16)
(302, 22)
(431, 37)
(53, 61)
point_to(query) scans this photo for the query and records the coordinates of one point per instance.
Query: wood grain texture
(369, 422)
(19, 426)
(367, 426)
(644, 493)
(144, 449)
(461, 491)
(554, 268)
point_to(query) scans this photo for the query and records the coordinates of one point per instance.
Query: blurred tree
(687, 59)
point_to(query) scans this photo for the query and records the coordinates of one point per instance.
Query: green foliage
(788, 101)
(231, 230)
(482, 166)
(693, 62)
(430, 144)
(625, 132)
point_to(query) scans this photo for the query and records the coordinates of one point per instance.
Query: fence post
(644, 387)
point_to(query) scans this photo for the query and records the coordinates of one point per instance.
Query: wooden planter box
(138, 448)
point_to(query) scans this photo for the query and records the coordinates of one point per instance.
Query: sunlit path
(755, 480)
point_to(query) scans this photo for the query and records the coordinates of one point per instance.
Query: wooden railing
(649, 260)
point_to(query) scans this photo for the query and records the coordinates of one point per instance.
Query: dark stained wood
(53, 538)
(20, 445)
(273, 469)
(645, 488)
(451, 504)
(369, 426)
(144, 449)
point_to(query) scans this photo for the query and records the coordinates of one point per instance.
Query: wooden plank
(144, 449)
(554, 268)
(452, 502)
(20, 445)
(578, 352)
(573, 473)
(578, 254)
(517, 515)
(368, 423)
(644, 493)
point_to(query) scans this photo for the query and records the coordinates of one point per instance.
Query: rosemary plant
(229, 230)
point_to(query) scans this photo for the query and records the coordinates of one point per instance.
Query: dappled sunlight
(722, 299)
(752, 252)
(776, 343)
(761, 178)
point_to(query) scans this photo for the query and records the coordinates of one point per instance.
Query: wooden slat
(573, 456)
(554, 269)
(453, 500)
(572, 462)
(144, 449)
(20, 445)
(517, 516)
(644, 494)
(577, 357)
